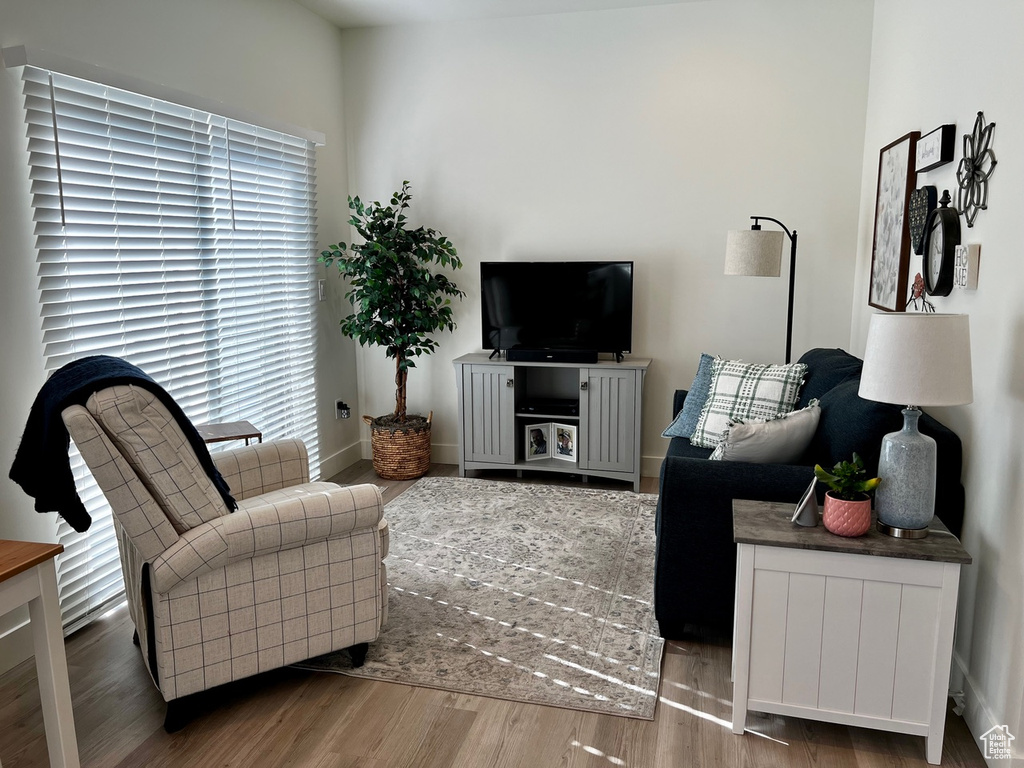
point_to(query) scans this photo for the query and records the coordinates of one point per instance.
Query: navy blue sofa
(695, 560)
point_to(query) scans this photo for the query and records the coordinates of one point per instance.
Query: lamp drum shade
(754, 252)
(918, 359)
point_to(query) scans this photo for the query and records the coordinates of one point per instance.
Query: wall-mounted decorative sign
(965, 269)
(936, 148)
(975, 169)
(890, 250)
(922, 202)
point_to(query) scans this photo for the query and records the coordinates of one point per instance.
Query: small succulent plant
(847, 478)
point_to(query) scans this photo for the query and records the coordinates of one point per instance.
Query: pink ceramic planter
(847, 518)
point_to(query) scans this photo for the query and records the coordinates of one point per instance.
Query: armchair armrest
(695, 565)
(280, 521)
(263, 467)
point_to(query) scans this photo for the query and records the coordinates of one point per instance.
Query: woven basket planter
(400, 451)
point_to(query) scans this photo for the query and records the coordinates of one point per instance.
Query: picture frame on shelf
(936, 148)
(890, 249)
(537, 441)
(564, 440)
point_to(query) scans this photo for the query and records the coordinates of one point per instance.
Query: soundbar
(526, 355)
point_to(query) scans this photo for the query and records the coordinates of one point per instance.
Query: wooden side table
(27, 575)
(229, 430)
(855, 631)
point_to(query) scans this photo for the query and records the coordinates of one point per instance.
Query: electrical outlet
(341, 409)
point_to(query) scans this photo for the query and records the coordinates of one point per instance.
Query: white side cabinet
(855, 631)
(498, 400)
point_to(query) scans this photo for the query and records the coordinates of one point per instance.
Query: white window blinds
(184, 243)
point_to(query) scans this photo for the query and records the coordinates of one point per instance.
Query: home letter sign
(965, 266)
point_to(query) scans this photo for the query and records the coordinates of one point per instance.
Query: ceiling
(374, 13)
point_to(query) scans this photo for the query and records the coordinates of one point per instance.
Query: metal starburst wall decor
(975, 170)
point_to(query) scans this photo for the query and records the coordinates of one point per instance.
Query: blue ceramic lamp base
(905, 499)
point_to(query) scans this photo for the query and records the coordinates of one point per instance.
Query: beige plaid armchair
(296, 571)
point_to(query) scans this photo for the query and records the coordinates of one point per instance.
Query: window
(183, 242)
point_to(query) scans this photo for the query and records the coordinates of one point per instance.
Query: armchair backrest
(144, 464)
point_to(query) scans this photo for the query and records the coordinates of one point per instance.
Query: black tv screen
(571, 305)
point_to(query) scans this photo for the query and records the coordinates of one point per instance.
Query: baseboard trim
(650, 466)
(343, 459)
(977, 714)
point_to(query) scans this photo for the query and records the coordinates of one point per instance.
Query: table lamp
(756, 252)
(913, 359)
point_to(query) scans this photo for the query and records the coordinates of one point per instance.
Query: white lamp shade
(918, 359)
(754, 252)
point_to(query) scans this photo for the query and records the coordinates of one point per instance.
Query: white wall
(935, 62)
(271, 58)
(641, 134)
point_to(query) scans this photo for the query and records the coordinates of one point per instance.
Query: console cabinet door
(608, 419)
(488, 419)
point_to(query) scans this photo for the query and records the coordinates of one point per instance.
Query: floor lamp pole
(792, 286)
(792, 279)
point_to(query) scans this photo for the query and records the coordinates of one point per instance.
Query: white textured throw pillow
(746, 392)
(779, 441)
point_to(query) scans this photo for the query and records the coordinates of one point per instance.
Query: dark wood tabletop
(769, 523)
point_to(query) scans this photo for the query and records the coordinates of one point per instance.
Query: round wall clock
(941, 237)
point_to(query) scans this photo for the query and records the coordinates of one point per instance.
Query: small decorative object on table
(806, 512)
(847, 505)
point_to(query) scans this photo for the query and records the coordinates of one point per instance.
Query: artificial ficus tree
(398, 301)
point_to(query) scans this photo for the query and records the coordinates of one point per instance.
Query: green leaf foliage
(398, 300)
(847, 478)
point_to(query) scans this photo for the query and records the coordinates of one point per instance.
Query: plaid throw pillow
(746, 392)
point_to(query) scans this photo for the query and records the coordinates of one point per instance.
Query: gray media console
(499, 401)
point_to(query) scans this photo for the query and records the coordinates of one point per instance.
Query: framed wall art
(890, 248)
(936, 148)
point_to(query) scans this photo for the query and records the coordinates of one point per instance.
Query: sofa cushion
(684, 449)
(777, 441)
(686, 419)
(746, 392)
(825, 369)
(849, 424)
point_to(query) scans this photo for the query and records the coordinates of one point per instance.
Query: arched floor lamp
(756, 252)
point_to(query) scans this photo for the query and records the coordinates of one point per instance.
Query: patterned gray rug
(532, 593)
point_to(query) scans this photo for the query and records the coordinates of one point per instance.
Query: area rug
(533, 593)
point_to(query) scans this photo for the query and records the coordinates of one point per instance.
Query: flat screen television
(552, 307)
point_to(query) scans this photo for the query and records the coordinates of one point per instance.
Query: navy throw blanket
(41, 466)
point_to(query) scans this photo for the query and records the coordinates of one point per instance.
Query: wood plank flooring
(296, 718)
